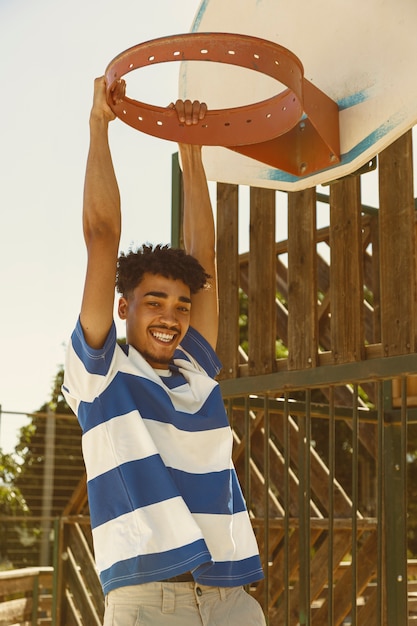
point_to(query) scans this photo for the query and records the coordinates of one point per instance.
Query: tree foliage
(38, 479)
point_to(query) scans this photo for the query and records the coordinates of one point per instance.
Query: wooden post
(376, 279)
(398, 336)
(261, 302)
(228, 278)
(397, 248)
(346, 271)
(302, 280)
(176, 202)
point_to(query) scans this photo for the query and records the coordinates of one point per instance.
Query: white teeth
(163, 337)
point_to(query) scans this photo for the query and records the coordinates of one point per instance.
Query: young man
(173, 541)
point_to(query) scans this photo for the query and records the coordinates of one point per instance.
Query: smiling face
(157, 315)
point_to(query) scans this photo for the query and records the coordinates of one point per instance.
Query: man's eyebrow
(162, 294)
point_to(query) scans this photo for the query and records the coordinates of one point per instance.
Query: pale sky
(51, 51)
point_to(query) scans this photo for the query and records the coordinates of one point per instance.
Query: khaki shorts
(181, 604)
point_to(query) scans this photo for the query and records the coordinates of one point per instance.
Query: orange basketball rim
(296, 130)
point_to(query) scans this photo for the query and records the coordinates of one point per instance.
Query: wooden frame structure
(349, 327)
(321, 433)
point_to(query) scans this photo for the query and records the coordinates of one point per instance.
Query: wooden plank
(342, 598)
(281, 287)
(323, 313)
(45, 604)
(319, 476)
(257, 482)
(23, 581)
(397, 248)
(85, 561)
(369, 611)
(78, 591)
(16, 585)
(261, 301)
(375, 280)
(346, 271)
(78, 501)
(44, 573)
(275, 538)
(15, 611)
(319, 564)
(277, 567)
(256, 422)
(277, 473)
(72, 617)
(228, 278)
(282, 310)
(302, 280)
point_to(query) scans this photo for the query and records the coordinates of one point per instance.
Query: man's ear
(122, 308)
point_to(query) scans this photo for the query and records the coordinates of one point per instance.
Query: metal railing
(323, 460)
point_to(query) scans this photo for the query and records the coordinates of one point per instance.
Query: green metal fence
(326, 459)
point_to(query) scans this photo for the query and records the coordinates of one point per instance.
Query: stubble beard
(152, 358)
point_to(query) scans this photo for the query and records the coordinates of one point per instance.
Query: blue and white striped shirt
(163, 493)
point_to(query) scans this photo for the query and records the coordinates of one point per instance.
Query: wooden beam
(342, 592)
(228, 278)
(397, 248)
(346, 271)
(302, 280)
(261, 301)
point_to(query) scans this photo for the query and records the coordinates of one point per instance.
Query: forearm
(101, 207)
(199, 240)
(198, 223)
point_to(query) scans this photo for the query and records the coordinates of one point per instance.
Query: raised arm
(199, 236)
(101, 222)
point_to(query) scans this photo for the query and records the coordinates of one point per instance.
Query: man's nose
(169, 315)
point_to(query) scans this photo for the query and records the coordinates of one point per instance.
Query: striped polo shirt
(163, 493)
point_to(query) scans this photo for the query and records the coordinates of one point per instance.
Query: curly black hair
(161, 259)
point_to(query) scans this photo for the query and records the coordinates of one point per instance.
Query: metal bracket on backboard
(369, 166)
(296, 131)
